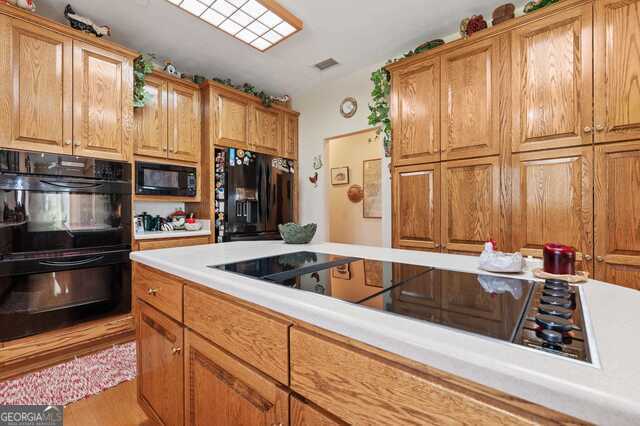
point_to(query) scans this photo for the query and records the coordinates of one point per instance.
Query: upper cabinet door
(103, 102)
(416, 113)
(417, 206)
(150, 135)
(470, 204)
(617, 214)
(232, 122)
(552, 81)
(184, 123)
(470, 109)
(290, 139)
(553, 201)
(617, 70)
(36, 89)
(266, 130)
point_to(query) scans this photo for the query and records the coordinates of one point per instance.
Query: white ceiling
(357, 33)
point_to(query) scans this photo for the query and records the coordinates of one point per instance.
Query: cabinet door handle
(67, 142)
(600, 259)
(444, 246)
(152, 291)
(436, 245)
(76, 144)
(176, 350)
(599, 127)
(588, 257)
(588, 129)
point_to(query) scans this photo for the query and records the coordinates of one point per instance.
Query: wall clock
(348, 107)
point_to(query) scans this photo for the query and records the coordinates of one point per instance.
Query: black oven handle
(72, 263)
(72, 186)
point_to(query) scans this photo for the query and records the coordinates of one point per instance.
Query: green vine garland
(247, 88)
(142, 67)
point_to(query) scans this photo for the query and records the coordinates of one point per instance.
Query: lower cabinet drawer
(361, 387)
(222, 390)
(171, 243)
(159, 289)
(256, 338)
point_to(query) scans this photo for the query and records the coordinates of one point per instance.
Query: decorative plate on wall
(348, 107)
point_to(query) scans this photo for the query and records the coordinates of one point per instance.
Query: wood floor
(117, 406)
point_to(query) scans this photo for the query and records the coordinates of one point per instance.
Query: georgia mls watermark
(31, 415)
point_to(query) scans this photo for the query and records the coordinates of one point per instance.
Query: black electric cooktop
(540, 316)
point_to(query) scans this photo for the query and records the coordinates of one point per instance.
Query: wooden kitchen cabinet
(470, 101)
(552, 88)
(303, 413)
(222, 390)
(184, 122)
(290, 137)
(617, 70)
(102, 102)
(470, 204)
(232, 121)
(415, 108)
(36, 88)
(617, 213)
(169, 125)
(416, 206)
(160, 365)
(266, 128)
(553, 201)
(151, 134)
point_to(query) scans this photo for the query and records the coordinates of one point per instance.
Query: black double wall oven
(65, 239)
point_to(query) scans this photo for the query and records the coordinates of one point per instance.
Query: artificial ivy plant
(142, 67)
(247, 88)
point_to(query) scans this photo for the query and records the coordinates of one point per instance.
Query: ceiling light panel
(258, 23)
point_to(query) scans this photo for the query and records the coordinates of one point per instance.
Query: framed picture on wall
(339, 175)
(372, 187)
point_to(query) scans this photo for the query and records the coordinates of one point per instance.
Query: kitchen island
(289, 351)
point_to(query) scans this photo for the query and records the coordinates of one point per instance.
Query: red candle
(559, 259)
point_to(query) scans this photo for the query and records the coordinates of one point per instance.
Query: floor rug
(72, 380)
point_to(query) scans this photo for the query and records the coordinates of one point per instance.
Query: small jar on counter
(559, 259)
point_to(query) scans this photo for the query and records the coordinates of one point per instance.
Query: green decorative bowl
(292, 233)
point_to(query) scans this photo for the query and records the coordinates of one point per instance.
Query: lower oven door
(38, 295)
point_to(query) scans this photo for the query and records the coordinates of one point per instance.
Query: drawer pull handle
(176, 350)
(588, 129)
(588, 257)
(599, 127)
(600, 259)
(152, 291)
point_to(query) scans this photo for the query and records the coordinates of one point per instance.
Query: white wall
(320, 119)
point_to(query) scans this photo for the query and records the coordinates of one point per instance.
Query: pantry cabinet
(61, 91)
(470, 204)
(169, 125)
(553, 201)
(416, 113)
(617, 213)
(617, 70)
(416, 206)
(219, 386)
(160, 365)
(470, 101)
(552, 81)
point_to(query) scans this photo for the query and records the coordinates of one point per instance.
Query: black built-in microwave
(165, 179)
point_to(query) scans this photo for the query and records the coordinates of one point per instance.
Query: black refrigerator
(254, 194)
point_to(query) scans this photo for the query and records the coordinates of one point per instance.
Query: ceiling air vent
(327, 63)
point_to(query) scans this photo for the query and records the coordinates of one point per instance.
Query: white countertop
(605, 393)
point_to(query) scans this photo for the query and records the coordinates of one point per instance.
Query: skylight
(259, 23)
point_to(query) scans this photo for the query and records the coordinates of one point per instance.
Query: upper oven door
(39, 214)
(165, 179)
